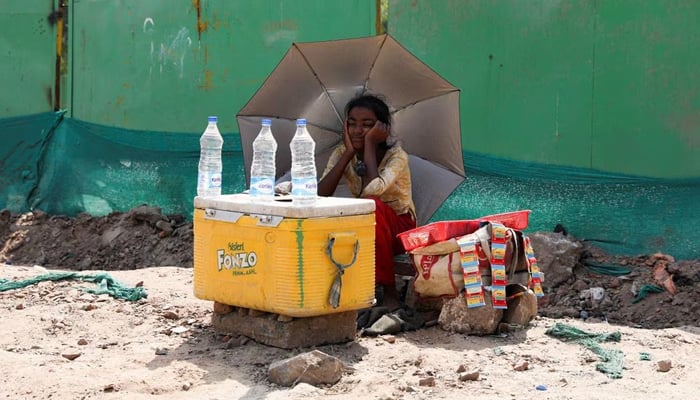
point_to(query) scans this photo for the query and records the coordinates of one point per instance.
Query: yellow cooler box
(282, 258)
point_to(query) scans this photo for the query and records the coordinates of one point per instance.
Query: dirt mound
(144, 237)
(140, 238)
(655, 291)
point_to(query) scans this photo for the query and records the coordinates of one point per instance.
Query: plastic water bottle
(304, 180)
(209, 178)
(262, 169)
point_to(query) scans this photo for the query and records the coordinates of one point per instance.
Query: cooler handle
(337, 285)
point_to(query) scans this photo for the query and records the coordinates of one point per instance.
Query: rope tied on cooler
(337, 285)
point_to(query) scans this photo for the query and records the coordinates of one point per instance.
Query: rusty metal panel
(27, 57)
(165, 66)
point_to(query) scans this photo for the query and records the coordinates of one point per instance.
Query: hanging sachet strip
(498, 265)
(473, 288)
(535, 273)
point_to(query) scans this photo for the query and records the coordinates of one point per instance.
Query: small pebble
(664, 366)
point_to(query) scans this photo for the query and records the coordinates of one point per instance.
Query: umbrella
(314, 80)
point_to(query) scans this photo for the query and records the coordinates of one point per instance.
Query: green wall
(608, 85)
(27, 57)
(165, 66)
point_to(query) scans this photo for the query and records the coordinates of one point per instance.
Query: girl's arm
(329, 182)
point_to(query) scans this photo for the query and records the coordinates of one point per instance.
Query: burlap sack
(438, 275)
(439, 270)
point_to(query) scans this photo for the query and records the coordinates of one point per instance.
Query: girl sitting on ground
(375, 167)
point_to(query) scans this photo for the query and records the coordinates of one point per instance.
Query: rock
(40, 216)
(165, 227)
(161, 351)
(110, 388)
(664, 365)
(521, 365)
(429, 381)
(70, 356)
(256, 313)
(614, 283)
(456, 317)
(170, 315)
(179, 329)
(314, 367)
(522, 305)
(146, 213)
(221, 308)
(82, 342)
(111, 234)
(579, 285)
(299, 332)
(234, 342)
(557, 255)
(470, 376)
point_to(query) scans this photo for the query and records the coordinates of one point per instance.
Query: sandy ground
(164, 347)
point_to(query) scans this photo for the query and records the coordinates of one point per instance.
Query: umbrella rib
(325, 90)
(374, 61)
(424, 99)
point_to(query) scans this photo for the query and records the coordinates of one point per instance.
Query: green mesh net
(66, 166)
(645, 291)
(611, 359)
(106, 284)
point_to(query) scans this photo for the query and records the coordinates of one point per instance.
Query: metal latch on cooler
(268, 220)
(221, 215)
(233, 217)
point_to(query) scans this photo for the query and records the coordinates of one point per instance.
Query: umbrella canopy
(315, 80)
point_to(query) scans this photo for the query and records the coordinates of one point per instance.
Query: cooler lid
(283, 206)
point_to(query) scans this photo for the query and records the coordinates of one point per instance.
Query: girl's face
(360, 121)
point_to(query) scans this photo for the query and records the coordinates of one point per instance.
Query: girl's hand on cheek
(346, 138)
(378, 134)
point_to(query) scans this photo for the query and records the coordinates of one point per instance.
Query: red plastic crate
(443, 230)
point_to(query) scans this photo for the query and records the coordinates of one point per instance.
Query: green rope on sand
(645, 290)
(106, 284)
(612, 359)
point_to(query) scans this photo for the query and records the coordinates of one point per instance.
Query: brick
(289, 334)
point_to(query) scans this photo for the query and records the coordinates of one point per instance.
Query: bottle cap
(301, 121)
(266, 122)
(213, 119)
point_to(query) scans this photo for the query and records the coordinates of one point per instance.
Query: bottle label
(304, 187)
(261, 186)
(214, 180)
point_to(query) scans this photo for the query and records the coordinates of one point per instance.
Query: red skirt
(387, 226)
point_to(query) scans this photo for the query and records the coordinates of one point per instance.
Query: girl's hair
(372, 103)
